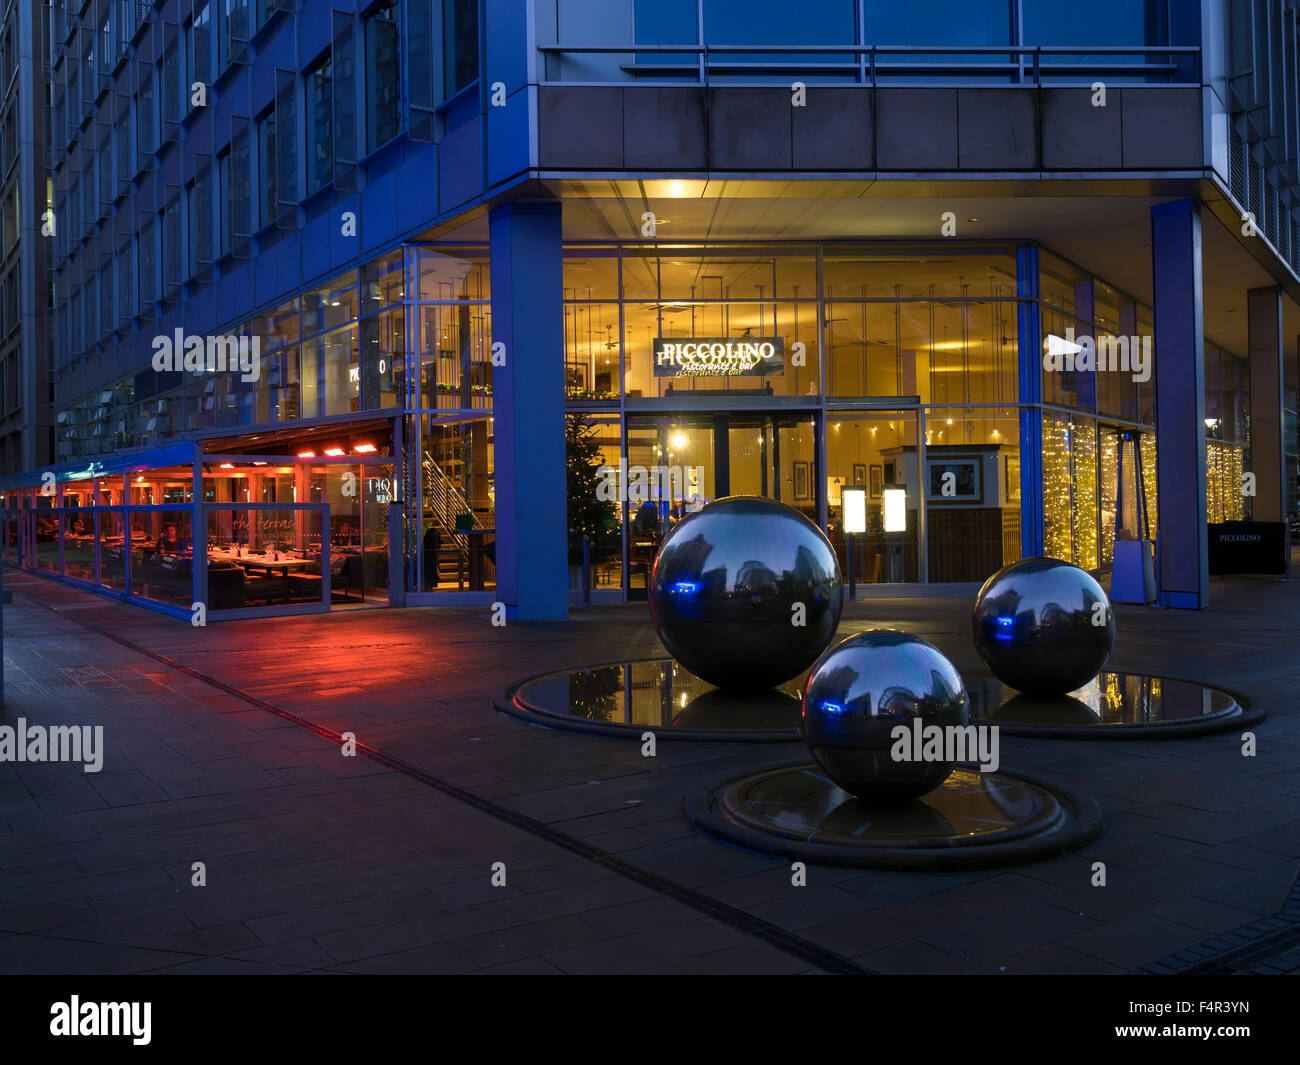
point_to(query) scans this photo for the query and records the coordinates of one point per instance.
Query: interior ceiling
(1107, 235)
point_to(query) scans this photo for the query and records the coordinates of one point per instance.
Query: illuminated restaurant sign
(719, 356)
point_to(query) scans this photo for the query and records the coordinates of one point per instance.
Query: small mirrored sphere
(865, 688)
(745, 593)
(1043, 626)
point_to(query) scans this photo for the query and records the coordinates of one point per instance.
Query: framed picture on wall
(877, 482)
(962, 486)
(859, 473)
(802, 481)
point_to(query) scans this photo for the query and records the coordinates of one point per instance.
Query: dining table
(260, 563)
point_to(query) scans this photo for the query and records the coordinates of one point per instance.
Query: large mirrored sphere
(1043, 626)
(745, 593)
(860, 692)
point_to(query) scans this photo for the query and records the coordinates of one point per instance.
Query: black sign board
(1248, 547)
(719, 356)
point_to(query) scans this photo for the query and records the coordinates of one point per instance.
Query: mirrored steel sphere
(1043, 626)
(730, 585)
(860, 692)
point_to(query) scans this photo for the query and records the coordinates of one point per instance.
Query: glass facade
(910, 365)
(902, 370)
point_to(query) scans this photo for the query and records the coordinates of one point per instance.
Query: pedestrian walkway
(223, 746)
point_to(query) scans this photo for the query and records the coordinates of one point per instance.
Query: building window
(234, 31)
(171, 89)
(125, 154)
(265, 9)
(171, 256)
(1106, 22)
(460, 42)
(383, 75)
(286, 145)
(105, 173)
(106, 321)
(74, 99)
(74, 206)
(419, 54)
(126, 25)
(125, 284)
(148, 264)
(345, 99)
(201, 47)
(145, 118)
(107, 55)
(235, 193)
(11, 137)
(201, 221)
(320, 121)
(950, 22)
(268, 207)
(89, 209)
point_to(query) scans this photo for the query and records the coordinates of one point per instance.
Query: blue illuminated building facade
(454, 234)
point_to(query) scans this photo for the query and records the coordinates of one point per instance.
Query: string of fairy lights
(1223, 468)
(1070, 490)
(1070, 486)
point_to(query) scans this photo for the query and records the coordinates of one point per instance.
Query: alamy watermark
(77, 1018)
(641, 484)
(228, 353)
(56, 743)
(1105, 353)
(946, 743)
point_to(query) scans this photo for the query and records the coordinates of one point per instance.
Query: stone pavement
(221, 747)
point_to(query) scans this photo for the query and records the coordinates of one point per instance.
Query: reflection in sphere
(730, 584)
(1043, 626)
(859, 692)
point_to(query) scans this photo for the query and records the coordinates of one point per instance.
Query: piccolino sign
(719, 356)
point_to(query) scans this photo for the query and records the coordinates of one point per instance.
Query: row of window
(931, 22)
(166, 93)
(217, 213)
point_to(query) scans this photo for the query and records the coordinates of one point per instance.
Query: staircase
(444, 498)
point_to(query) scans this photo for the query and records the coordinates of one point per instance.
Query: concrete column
(528, 408)
(1267, 422)
(1182, 561)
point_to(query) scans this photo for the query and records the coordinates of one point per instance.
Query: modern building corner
(313, 260)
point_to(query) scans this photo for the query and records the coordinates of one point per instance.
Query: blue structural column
(1267, 418)
(528, 409)
(1182, 562)
(1031, 414)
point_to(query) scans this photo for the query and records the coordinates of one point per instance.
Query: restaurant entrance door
(691, 459)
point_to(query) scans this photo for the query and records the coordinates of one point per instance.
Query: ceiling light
(227, 466)
(334, 452)
(306, 454)
(365, 449)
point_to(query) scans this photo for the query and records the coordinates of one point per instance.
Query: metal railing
(1033, 65)
(447, 501)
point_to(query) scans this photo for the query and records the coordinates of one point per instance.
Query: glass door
(676, 463)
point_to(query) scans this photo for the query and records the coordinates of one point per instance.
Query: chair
(225, 586)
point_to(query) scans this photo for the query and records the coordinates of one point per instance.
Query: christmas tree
(588, 514)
